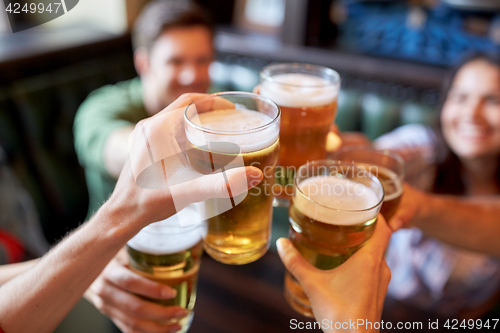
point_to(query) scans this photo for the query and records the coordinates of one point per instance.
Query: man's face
(178, 63)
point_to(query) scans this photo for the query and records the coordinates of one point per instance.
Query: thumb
(225, 184)
(299, 267)
(231, 182)
(397, 222)
(411, 201)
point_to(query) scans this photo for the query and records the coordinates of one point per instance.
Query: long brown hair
(449, 178)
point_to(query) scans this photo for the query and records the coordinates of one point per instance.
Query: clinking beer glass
(307, 96)
(170, 254)
(332, 214)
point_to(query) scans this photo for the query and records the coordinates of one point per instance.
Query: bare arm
(10, 271)
(115, 151)
(469, 223)
(39, 299)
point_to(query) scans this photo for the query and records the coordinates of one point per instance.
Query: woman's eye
(493, 100)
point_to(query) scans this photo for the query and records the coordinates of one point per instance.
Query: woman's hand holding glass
(354, 290)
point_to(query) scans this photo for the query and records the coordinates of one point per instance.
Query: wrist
(118, 222)
(425, 204)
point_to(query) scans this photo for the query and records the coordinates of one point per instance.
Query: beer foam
(392, 181)
(299, 90)
(167, 236)
(341, 201)
(234, 120)
(394, 195)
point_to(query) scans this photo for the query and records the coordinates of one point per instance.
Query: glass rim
(330, 162)
(233, 93)
(167, 229)
(386, 152)
(268, 77)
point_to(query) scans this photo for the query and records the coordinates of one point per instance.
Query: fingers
(205, 105)
(407, 209)
(233, 181)
(183, 101)
(377, 244)
(130, 305)
(129, 324)
(218, 103)
(333, 142)
(385, 277)
(252, 176)
(293, 260)
(128, 280)
(256, 89)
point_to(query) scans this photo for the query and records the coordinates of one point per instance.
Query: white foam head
(392, 183)
(234, 120)
(337, 201)
(393, 186)
(299, 90)
(167, 236)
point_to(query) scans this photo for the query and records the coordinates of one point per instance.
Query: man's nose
(474, 109)
(187, 76)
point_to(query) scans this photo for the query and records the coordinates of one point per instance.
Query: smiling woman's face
(470, 118)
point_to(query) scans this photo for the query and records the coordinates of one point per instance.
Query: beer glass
(332, 214)
(241, 234)
(307, 96)
(169, 254)
(389, 167)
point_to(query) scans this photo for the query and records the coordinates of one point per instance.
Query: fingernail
(282, 244)
(173, 329)
(181, 313)
(168, 293)
(254, 173)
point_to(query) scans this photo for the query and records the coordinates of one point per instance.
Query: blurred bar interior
(392, 56)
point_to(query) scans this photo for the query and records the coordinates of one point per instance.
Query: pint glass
(332, 214)
(167, 253)
(250, 122)
(389, 167)
(307, 96)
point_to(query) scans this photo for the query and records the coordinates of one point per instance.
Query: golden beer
(332, 214)
(169, 254)
(307, 96)
(388, 166)
(393, 188)
(241, 234)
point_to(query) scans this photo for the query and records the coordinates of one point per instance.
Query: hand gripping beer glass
(170, 254)
(307, 96)
(249, 122)
(332, 214)
(389, 167)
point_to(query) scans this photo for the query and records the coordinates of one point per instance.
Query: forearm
(39, 299)
(10, 271)
(470, 223)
